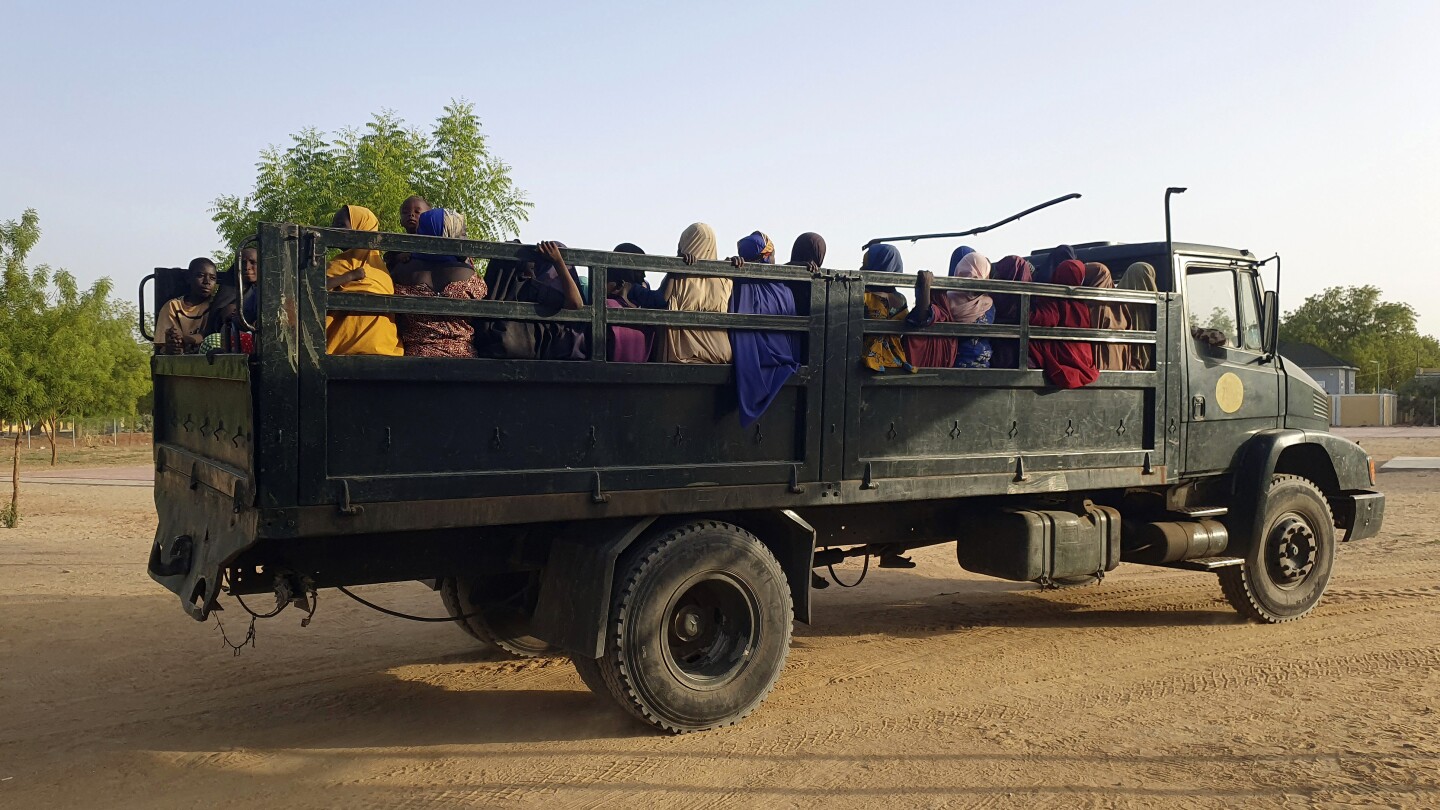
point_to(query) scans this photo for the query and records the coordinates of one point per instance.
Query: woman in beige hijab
(1108, 356)
(697, 294)
(1140, 276)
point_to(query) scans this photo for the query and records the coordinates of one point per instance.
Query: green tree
(20, 337)
(378, 166)
(1354, 324)
(91, 363)
(64, 352)
(1418, 398)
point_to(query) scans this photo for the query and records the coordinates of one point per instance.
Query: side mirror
(1270, 312)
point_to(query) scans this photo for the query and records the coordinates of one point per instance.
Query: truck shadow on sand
(383, 683)
(446, 746)
(972, 605)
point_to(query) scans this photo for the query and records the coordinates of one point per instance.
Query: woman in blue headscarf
(888, 303)
(428, 275)
(763, 360)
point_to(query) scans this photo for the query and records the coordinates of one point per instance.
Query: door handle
(1197, 407)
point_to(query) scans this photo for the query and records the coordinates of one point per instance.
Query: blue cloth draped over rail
(763, 360)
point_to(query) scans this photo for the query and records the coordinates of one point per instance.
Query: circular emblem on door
(1229, 392)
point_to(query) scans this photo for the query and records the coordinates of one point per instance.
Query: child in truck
(628, 344)
(180, 324)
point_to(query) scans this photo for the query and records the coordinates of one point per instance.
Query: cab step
(1202, 511)
(1206, 563)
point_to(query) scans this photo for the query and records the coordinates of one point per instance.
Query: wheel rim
(1290, 551)
(711, 630)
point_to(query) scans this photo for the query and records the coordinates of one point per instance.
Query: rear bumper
(1360, 513)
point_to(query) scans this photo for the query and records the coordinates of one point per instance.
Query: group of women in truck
(1068, 364)
(210, 310)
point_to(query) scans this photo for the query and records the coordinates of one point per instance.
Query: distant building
(1334, 374)
(1364, 410)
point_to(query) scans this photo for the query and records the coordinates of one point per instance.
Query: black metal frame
(989, 396)
(303, 257)
(296, 410)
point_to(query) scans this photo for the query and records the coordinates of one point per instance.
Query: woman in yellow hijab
(360, 270)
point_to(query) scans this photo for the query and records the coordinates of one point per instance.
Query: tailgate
(204, 473)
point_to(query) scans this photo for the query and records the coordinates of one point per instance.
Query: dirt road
(932, 688)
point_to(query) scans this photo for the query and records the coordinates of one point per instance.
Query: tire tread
(478, 629)
(612, 662)
(1235, 581)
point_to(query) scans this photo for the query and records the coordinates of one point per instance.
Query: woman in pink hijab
(971, 307)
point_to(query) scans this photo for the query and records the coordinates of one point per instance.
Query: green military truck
(618, 513)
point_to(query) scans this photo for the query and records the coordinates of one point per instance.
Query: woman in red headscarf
(1067, 364)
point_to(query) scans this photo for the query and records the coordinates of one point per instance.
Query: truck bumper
(1360, 513)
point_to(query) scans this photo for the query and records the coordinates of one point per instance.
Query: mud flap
(574, 601)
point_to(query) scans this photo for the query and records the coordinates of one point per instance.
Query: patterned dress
(975, 352)
(439, 335)
(885, 351)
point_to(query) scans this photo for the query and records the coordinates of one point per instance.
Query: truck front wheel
(1288, 566)
(497, 609)
(699, 628)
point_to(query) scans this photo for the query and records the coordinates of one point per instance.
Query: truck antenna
(917, 237)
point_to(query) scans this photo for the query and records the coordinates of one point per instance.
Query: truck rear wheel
(1288, 566)
(699, 628)
(500, 607)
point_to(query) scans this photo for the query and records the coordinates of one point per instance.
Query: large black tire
(450, 597)
(1288, 566)
(499, 608)
(699, 628)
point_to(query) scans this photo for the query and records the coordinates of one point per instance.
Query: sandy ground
(933, 688)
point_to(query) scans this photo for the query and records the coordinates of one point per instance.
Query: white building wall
(1334, 379)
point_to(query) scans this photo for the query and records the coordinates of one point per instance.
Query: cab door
(1232, 387)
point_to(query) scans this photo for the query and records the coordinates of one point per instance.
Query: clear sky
(1307, 128)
